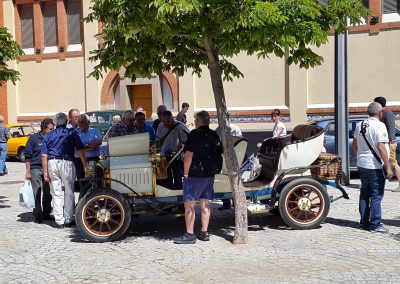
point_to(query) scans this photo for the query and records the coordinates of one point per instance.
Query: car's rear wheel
(304, 203)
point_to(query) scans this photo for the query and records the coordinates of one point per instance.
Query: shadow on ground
(3, 202)
(168, 227)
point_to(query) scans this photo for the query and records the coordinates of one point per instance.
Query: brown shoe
(60, 226)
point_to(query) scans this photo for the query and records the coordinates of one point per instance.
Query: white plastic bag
(26, 197)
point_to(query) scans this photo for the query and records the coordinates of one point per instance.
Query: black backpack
(210, 162)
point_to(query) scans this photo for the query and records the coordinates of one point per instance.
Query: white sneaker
(396, 189)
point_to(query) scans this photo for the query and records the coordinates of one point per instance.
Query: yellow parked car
(19, 137)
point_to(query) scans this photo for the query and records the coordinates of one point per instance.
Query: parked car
(328, 123)
(19, 137)
(104, 119)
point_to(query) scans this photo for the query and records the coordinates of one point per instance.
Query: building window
(49, 27)
(49, 12)
(166, 93)
(390, 6)
(27, 33)
(390, 11)
(74, 18)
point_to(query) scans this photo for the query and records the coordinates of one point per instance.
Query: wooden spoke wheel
(103, 215)
(304, 203)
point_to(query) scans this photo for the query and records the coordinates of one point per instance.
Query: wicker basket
(331, 171)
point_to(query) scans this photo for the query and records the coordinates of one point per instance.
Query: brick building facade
(55, 71)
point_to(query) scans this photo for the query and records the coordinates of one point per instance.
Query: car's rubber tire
(21, 154)
(297, 206)
(103, 215)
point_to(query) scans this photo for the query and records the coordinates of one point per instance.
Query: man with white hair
(58, 151)
(370, 142)
(124, 127)
(4, 136)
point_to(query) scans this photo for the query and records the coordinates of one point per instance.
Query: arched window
(166, 93)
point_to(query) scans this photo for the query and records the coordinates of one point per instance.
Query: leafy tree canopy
(152, 36)
(9, 50)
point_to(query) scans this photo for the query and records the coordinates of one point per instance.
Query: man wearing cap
(4, 136)
(160, 110)
(58, 150)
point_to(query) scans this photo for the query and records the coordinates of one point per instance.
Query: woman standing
(279, 128)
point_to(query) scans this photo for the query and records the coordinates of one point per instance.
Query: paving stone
(336, 252)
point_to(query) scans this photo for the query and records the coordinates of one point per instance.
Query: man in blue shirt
(34, 172)
(91, 139)
(141, 126)
(4, 136)
(58, 150)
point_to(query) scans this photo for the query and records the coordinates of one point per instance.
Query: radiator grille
(140, 180)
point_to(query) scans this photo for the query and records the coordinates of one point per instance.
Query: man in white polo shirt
(371, 144)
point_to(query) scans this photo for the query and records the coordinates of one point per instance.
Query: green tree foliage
(9, 50)
(152, 36)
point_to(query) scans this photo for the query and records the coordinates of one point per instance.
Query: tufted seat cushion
(271, 148)
(305, 132)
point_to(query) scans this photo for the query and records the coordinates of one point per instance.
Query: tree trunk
(232, 166)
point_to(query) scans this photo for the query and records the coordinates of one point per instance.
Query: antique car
(19, 137)
(294, 178)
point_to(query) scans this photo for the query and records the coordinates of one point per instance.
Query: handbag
(26, 197)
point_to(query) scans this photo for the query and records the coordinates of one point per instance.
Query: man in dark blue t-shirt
(199, 175)
(58, 150)
(34, 172)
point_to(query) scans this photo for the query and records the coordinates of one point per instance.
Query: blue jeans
(371, 195)
(3, 154)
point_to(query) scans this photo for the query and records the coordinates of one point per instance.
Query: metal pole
(341, 104)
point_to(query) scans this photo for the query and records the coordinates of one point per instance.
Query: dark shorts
(198, 188)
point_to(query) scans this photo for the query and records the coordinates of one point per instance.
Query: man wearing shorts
(389, 120)
(198, 184)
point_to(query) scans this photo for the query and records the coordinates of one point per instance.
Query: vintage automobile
(133, 172)
(19, 137)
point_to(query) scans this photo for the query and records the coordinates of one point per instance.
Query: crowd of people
(57, 156)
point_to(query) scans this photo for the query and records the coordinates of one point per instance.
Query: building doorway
(141, 95)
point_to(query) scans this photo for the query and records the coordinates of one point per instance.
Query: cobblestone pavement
(336, 252)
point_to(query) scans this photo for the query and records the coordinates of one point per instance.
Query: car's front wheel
(103, 215)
